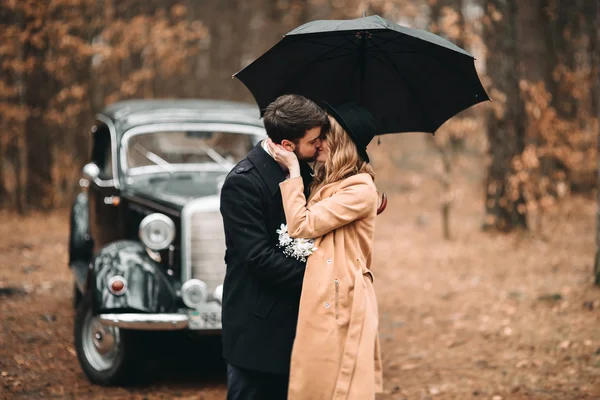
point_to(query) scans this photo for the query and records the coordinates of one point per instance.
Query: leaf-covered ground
(483, 316)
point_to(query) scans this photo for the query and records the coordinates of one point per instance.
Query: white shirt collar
(263, 144)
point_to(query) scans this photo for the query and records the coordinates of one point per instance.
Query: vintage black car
(147, 244)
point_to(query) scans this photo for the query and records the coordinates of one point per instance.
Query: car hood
(174, 193)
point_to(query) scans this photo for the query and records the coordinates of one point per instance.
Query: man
(261, 292)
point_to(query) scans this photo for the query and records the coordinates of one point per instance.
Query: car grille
(204, 243)
(208, 248)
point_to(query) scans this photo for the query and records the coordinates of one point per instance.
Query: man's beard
(306, 159)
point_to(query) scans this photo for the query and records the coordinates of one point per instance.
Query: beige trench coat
(336, 352)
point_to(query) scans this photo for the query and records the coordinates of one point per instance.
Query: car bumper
(157, 322)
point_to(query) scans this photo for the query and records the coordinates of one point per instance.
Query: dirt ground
(482, 316)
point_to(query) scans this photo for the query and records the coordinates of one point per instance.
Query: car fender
(148, 288)
(80, 243)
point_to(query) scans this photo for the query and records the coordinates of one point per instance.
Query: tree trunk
(3, 191)
(533, 46)
(596, 60)
(593, 32)
(437, 23)
(439, 11)
(505, 203)
(38, 138)
(38, 87)
(20, 140)
(447, 197)
(560, 35)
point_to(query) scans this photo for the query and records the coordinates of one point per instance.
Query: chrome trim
(113, 145)
(184, 126)
(151, 204)
(208, 203)
(91, 170)
(199, 116)
(146, 322)
(109, 183)
(148, 219)
(154, 169)
(98, 181)
(171, 255)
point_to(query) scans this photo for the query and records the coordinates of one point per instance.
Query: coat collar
(271, 172)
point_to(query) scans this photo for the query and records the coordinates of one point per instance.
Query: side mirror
(91, 171)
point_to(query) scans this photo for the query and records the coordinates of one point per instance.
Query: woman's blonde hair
(342, 160)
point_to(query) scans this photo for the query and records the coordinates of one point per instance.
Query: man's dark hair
(290, 116)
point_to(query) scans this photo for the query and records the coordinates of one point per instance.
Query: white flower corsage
(297, 248)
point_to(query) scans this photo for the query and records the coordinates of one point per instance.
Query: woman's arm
(355, 199)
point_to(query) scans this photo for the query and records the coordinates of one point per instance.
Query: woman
(336, 351)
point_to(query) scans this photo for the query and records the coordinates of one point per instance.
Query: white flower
(282, 229)
(298, 248)
(304, 245)
(285, 239)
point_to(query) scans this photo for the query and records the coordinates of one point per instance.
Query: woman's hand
(285, 158)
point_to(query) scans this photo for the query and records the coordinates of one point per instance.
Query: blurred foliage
(543, 122)
(61, 61)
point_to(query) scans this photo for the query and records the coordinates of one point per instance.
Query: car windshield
(177, 151)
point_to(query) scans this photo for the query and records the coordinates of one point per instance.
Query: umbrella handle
(383, 204)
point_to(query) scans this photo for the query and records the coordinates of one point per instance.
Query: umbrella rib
(330, 46)
(419, 51)
(403, 52)
(395, 67)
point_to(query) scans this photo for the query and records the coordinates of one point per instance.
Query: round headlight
(193, 292)
(218, 294)
(157, 231)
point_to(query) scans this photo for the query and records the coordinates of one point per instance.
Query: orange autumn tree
(540, 127)
(61, 62)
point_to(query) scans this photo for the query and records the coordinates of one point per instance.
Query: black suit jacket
(261, 292)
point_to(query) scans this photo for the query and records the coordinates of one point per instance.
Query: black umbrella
(410, 80)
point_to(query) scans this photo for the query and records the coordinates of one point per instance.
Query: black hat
(357, 121)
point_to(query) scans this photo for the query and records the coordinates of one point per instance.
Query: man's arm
(245, 222)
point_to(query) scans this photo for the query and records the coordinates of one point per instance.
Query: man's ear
(288, 145)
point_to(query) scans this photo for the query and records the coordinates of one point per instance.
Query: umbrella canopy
(411, 80)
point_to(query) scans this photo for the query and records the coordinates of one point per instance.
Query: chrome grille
(203, 242)
(208, 248)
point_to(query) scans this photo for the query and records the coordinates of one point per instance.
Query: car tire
(107, 355)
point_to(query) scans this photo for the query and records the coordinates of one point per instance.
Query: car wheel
(106, 354)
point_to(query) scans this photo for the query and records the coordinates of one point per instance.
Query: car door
(103, 189)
